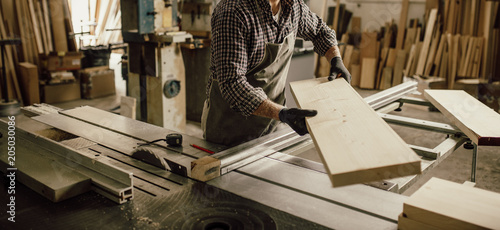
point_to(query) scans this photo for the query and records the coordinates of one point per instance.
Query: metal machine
(156, 68)
(261, 184)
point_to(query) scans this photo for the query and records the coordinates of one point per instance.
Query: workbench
(263, 184)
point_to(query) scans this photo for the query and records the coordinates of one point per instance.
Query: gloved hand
(296, 118)
(337, 67)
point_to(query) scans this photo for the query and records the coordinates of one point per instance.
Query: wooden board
(58, 26)
(29, 83)
(355, 71)
(386, 80)
(479, 122)
(355, 144)
(368, 71)
(427, 40)
(51, 179)
(391, 58)
(449, 205)
(128, 106)
(348, 55)
(409, 224)
(398, 68)
(402, 24)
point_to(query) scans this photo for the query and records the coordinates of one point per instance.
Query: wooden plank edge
(375, 174)
(205, 168)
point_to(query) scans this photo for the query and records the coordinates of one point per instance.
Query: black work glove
(337, 67)
(296, 118)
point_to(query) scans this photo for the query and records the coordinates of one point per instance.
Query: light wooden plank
(439, 54)
(477, 61)
(355, 70)
(449, 205)
(398, 68)
(58, 27)
(28, 74)
(391, 58)
(383, 60)
(432, 54)
(47, 24)
(409, 224)
(427, 40)
(411, 59)
(43, 29)
(336, 16)
(386, 78)
(128, 106)
(479, 122)
(348, 55)
(35, 26)
(355, 144)
(402, 24)
(454, 61)
(368, 71)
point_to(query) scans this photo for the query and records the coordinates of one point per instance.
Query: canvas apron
(222, 125)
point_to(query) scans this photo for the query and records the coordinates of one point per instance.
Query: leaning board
(479, 122)
(448, 205)
(354, 143)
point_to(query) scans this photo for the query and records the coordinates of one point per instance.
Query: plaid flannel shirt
(240, 31)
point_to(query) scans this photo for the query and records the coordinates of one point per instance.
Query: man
(252, 45)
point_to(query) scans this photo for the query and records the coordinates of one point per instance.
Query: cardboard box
(57, 61)
(29, 83)
(97, 82)
(61, 92)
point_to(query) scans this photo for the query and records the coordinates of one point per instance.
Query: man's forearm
(268, 109)
(332, 52)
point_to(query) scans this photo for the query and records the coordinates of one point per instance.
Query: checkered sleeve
(313, 28)
(229, 50)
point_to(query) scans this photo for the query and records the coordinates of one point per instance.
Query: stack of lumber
(453, 42)
(441, 204)
(107, 15)
(43, 26)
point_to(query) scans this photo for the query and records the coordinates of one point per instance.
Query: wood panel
(402, 24)
(29, 83)
(427, 41)
(449, 205)
(355, 144)
(398, 68)
(479, 122)
(355, 71)
(368, 71)
(409, 224)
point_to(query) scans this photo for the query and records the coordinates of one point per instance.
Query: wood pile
(108, 22)
(43, 26)
(455, 41)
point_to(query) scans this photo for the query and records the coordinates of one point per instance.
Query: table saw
(261, 184)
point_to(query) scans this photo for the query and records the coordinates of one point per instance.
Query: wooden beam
(427, 40)
(368, 71)
(479, 122)
(402, 24)
(34, 20)
(409, 224)
(351, 138)
(10, 64)
(399, 67)
(336, 16)
(463, 208)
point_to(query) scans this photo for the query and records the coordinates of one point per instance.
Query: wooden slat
(355, 74)
(398, 68)
(46, 16)
(432, 54)
(58, 27)
(391, 58)
(368, 71)
(427, 40)
(34, 22)
(386, 80)
(479, 122)
(449, 205)
(409, 224)
(402, 24)
(348, 55)
(355, 144)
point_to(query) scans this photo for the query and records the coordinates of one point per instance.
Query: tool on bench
(148, 156)
(173, 139)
